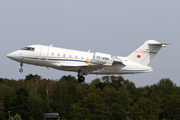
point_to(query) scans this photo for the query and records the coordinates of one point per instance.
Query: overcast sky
(114, 27)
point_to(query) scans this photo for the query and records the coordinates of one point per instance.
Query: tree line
(108, 98)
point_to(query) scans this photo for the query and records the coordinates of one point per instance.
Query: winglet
(110, 62)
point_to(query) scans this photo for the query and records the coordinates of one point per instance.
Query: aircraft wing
(113, 61)
(86, 69)
(89, 69)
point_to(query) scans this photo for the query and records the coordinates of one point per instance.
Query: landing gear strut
(21, 70)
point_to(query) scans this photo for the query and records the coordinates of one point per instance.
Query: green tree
(113, 98)
(117, 81)
(1, 80)
(80, 112)
(113, 81)
(34, 83)
(68, 78)
(10, 98)
(46, 89)
(16, 84)
(11, 118)
(124, 98)
(163, 88)
(144, 109)
(106, 79)
(3, 94)
(22, 103)
(95, 81)
(117, 112)
(171, 108)
(91, 107)
(17, 117)
(110, 95)
(133, 91)
(67, 91)
(30, 77)
(35, 105)
(100, 85)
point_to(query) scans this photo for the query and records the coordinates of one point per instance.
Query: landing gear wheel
(20, 70)
(81, 78)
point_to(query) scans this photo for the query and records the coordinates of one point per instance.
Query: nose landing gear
(21, 70)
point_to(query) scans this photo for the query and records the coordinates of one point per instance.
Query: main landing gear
(21, 70)
(81, 78)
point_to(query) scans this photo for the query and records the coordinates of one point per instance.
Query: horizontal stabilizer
(159, 44)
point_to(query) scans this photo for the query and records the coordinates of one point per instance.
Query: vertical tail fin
(146, 52)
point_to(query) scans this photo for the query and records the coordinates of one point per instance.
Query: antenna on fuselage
(51, 45)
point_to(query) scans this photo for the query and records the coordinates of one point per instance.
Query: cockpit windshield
(28, 48)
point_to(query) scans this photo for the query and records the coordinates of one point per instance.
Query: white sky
(114, 27)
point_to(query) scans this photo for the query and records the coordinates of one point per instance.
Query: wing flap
(89, 69)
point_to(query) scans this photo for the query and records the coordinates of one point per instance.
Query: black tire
(81, 78)
(20, 70)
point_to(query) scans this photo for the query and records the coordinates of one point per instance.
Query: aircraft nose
(12, 55)
(16, 55)
(9, 55)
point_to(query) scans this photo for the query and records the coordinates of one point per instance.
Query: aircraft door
(44, 53)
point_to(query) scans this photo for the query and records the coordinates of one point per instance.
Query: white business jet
(87, 62)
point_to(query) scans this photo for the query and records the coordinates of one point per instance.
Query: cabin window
(28, 48)
(87, 58)
(82, 58)
(52, 53)
(69, 56)
(58, 54)
(64, 55)
(76, 57)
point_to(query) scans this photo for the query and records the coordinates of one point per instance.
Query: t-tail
(146, 52)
